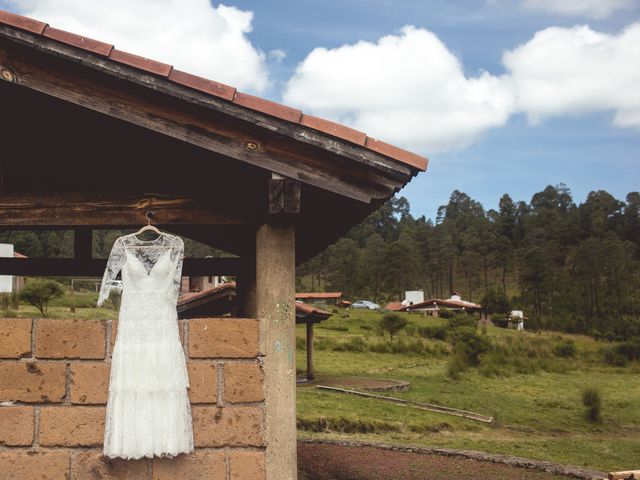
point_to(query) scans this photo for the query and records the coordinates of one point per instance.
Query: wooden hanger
(145, 228)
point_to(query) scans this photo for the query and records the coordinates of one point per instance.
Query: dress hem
(146, 455)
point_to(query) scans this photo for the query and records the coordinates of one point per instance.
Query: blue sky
(517, 142)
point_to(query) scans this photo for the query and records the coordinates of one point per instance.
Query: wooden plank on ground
(409, 403)
(625, 475)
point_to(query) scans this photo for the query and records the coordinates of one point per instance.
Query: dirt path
(341, 462)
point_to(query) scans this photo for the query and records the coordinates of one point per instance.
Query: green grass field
(535, 396)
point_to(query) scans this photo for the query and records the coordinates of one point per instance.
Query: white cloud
(277, 55)
(191, 35)
(407, 89)
(572, 71)
(586, 8)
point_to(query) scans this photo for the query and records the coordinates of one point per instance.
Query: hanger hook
(147, 215)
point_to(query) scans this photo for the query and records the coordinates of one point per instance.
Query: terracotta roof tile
(24, 23)
(319, 295)
(397, 153)
(310, 309)
(394, 306)
(85, 43)
(335, 129)
(217, 89)
(204, 85)
(268, 107)
(142, 63)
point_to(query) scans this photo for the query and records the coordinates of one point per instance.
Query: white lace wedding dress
(148, 409)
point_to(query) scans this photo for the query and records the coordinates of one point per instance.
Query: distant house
(515, 320)
(10, 283)
(411, 297)
(434, 306)
(201, 283)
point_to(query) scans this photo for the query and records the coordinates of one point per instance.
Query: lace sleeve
(114, 264)
(177, 279)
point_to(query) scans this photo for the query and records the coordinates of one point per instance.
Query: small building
(10, 283)
(413, 297)
(514, 320)
(200, 283)
(435, 306)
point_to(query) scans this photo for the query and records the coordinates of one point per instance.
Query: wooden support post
(275, 301)
(246, 289)
(83, 244)
(309, 350)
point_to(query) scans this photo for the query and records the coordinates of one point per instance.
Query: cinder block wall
(54, 378)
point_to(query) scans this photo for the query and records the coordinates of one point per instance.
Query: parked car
(365, 304)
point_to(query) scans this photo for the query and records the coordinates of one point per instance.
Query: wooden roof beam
(108, 210)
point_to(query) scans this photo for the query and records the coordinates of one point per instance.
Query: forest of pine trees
(570, 267)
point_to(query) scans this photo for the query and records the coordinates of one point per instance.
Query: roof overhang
(85, 121)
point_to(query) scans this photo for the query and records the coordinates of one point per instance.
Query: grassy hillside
(534, 394)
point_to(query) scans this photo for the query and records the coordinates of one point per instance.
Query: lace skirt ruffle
(148, 424)
(148, 409)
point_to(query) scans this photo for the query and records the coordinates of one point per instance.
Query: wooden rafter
(112, 210)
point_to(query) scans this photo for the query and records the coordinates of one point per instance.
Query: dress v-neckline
(154, 263)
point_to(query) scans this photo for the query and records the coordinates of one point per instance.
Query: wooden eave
(227, 152)
(289, 149)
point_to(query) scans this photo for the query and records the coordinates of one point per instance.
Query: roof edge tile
(335, 129)
(397, 153)
(24, 23)
(267, 106)
(202, 84)
(79, 41)
(143, 63)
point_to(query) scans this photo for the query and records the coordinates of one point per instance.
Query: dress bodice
(139, 276)
(146, 265)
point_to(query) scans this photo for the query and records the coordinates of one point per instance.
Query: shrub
(380, 347)
(40, 292)
(392, 323)
(410, 329)
(565, 349)
(9, 301)
(629, 349)
(354, 344)
(593, 403)
(612, 357)
(456, 366)
(432, 331)
(324, 343)
(469, 343)
(462, 320)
